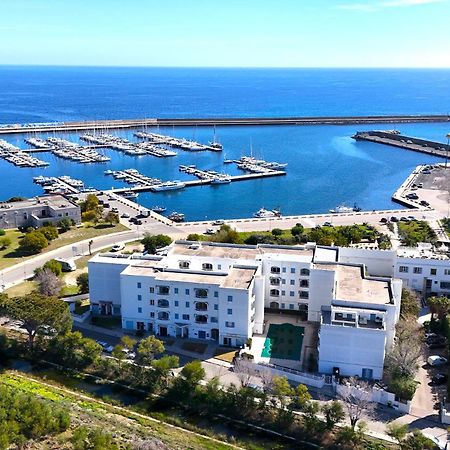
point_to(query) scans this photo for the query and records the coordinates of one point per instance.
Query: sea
(326, 167)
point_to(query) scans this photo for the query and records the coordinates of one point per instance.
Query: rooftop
(54, 201)
(214, 250)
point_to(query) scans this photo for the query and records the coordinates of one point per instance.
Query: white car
(117, 247)
(218, 222)
(436, 360)
(210, 231)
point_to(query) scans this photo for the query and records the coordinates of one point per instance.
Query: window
(283, 292)
(274, 292)
(404, 269)
(284, 270)
(283, 281)
(216, 294)
(152, 302)
(184, 264)
(446, 271)
(230, 298)
(304, 283)
(152, 314)
(163, 315)
(163, 290)
(188, 304)
(201, 306)
(291, 306)
(292, 293)
(417, 270)
(201, 319)
(229, 311)
(274, 281)
(304, 272)
(304, 294)
(292, 283)
(207, 266)
(175, 290)
(229, 324)
(139, 297)
(187, 291)
(140, 310)
(176, 303)
(152, 289)
(214, 319)
(283, 305)
(433, 271)
(185, 316)
(445, 284)
(139, 285)
(163, 303)
(219, 266)
(275, 269)
(292, 269)
(177, 316)
(216, 307)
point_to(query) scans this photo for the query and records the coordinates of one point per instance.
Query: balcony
(275, 269)
(162, 303)
(163, 290)
(201, 319)
(274, 293)
(201, 306)
(275, 281)
(207, 266)
(163, 315)
(201, 293)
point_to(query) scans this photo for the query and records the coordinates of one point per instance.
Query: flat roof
(213, 250)
(55, 201)
(236, 278)
(326, 254)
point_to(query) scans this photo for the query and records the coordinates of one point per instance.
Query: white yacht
(266, 213)
(168, 186)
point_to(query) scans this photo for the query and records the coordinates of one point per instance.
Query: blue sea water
(326, 167)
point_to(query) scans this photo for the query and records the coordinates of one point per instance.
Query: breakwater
(212, 121)
(407, 142)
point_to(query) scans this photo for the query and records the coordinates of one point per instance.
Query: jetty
(213, 121)
(396, 139)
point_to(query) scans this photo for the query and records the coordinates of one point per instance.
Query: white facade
(221, 292)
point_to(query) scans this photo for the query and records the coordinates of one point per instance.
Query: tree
(38, 314)
(74, 350)
(409, 306)
(65, 224)
(397, 431)
(163, 366)
(84, 438)
(54, 266)
(90, 216)
(356, 395)
(226, 235)
(154, 242)
(148, 348)
(277, 232)
(302, 396)
(297, 230)
(5, 242)
(127, 342)
(439, 306)
(83, 282)
(48, 283)
(334, 413)
(90, 204)
(403, 386)
(33, 242)
(193, 373)
(282, 391)
(403, 359)
(244, 370)
(112, 218)
(417, 441)
(50, 232)
(118, 353)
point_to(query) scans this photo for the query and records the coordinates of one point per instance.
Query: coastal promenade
(102, 125)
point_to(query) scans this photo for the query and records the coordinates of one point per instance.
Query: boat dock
(61, 185)
(184, 144)
(16, 156)
(251, 176)
(133, 176)
(153, 122)
(396, 139)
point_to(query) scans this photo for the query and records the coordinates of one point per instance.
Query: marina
(60, 185)
(134, 177)
(183, 144)
(19, 158)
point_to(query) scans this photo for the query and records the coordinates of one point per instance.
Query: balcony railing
(200, 306)
(201, 319)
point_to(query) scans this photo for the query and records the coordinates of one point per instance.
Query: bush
(83, 283)
(5, 242)
(277, 232)
(193, 237)
(53, 266)
(297, 230)
(153, 242)
(403, 387)
(50, 232)
(65, 224)
(2, 232)
(33, 242)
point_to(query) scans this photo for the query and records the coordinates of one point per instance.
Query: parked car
(218, 222)
(436, 360)
(125, 216)
(424, 203)
(394, 219)
(383, 220)
(117, 247)
(437, 344)
(108, 348)
(210, 231)
(138, 222)
(404, 219)
(115, 210)
(433, 337)
(327, 224)
(439, 378)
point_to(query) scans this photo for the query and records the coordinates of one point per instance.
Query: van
(67, 265)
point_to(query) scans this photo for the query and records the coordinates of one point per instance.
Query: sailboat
(214, 144)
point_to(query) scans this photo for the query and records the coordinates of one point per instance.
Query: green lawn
(21, 289)
(12, 255)
(283, 342)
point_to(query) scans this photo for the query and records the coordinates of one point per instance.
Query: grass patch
(224, 354)
(82, 307)
(13, 255)
(196, 347)
(107, 322)
(69, 290)
(21, 289)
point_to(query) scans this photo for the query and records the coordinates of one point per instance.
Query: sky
(226, 33)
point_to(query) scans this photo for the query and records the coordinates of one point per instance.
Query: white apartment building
(226, 293)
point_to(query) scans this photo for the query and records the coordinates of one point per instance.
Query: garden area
(415, 231)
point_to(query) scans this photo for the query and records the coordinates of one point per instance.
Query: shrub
(65, 224)
(5, 242)
(33, 242)
(83, 283)
(153, 242)
(50, 232)
(277, 232)
(2, 232)
(297, 230)
(193, 237)
(53, 266)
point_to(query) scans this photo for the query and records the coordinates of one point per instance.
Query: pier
(202, 182)
(407, 142)
(212, 121)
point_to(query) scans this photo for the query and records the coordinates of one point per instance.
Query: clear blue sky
(267, 33)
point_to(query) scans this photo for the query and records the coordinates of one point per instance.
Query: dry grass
(224, 354)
